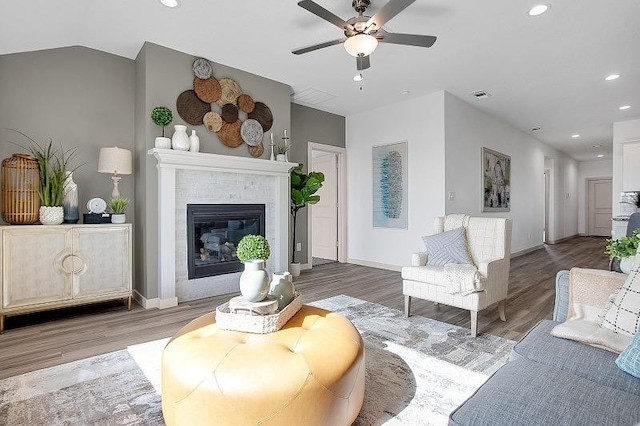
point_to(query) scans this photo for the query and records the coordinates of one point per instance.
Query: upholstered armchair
(489, 247)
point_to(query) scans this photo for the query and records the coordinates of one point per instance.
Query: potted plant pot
(118, 218)
(163, 143)
(294, 268)
(51, 215)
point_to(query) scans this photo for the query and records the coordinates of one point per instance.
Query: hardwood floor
(40, 340)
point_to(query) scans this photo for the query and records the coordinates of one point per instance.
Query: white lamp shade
(115, 161)
(361, 44)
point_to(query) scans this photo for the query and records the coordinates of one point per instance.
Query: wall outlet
(299, 247)
(452, 195)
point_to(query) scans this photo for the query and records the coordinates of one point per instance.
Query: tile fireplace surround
(199, 178)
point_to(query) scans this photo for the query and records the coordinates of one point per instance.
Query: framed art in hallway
(390, 181)
(496, 181)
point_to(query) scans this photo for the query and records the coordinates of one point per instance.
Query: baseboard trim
(526, 251)
(155, 302)
(305, 266)
(378, 265)
(562, 239)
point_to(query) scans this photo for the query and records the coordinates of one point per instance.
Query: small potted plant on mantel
(253, 251)
(162, 116)
(303, 188)
(623, 250)
(118, 206)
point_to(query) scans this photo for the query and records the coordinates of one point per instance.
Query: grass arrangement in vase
(118, 206)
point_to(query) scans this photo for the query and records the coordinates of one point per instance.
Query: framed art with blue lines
(390, 181)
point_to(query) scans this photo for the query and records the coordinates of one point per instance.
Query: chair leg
(474, 323)
(501, 306)
(407, 305)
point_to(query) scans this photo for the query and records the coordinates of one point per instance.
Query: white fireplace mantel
(169, 161)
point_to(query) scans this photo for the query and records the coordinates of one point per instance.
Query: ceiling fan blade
(362, 62)
(323, 13)
(318, 46)
(408, 39)
(388, 11)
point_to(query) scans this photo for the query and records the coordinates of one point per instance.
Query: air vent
(480, 94)
(311, 96)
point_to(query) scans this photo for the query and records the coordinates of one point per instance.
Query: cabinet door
(33, 262)
(102, 261)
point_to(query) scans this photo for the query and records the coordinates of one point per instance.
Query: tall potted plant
(303, 187)
(162, 116)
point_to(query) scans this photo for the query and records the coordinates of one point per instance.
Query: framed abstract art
(496, 181)
(390, 182)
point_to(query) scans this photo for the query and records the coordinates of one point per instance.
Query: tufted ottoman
(311, 372)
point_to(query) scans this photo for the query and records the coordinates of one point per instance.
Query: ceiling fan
(363, 32)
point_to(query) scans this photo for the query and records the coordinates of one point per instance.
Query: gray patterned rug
(418, 371)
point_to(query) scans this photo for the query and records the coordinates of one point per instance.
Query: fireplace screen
(214, 231)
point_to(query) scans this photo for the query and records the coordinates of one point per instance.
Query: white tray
(256, 323)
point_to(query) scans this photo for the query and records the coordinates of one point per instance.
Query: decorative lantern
(20, 185)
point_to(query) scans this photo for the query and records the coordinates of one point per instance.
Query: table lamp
(115, 161)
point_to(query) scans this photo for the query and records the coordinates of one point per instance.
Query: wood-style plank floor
(40, 340)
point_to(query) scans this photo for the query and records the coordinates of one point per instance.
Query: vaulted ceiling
(546, 71)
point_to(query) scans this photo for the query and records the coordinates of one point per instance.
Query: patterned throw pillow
(623, 316)
(447, 247)
(629, 360)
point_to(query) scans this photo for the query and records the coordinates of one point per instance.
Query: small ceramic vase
(282, 289)
(254, 281)
(180, 139)
(626, 263)
(118, 218)
(51, 215)
(163, 143)
(194, 142)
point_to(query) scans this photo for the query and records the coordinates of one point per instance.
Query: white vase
(626, 263)
(294, 268)
(118, 218)
(163, 143)
(180, 139)
(194, 142)
(254, 281)
(282, 289)
(51, 215)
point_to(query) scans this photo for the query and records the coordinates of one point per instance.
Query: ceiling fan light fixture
(538, 9)
(361, 45)
(358, 77)
(170, 3)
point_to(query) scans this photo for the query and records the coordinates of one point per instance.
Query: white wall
(622, 131)
(467, 130)
(420, 122)
(589, 170)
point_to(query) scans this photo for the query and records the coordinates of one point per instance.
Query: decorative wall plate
(263, 115)
(251, 132)
(208, 90)
(230, 92)
(96, 205)
(191, 108)
(256, 151)
(213, 121)
(246, 103)
(229, 134)
(229, 113)
(202, 68)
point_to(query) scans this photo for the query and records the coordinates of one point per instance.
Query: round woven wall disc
(251, 132)
(229, 113)
(230, 92)
(263, 115)
(191, 108)
(245, 103)
(256, 151)
(208, 90)
(229, 134)
(213, 121)
(202, 68)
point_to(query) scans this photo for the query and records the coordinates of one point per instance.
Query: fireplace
(213, 233)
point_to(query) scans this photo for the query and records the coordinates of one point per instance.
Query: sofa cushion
(524, 392)
(629, 359)
(447, 247)
(591, 363)
(623, 316)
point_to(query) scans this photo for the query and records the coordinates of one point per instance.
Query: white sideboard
(48, 267)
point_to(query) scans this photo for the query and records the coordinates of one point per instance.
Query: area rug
(418, 370)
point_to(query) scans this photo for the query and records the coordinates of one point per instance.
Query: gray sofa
(554, 381)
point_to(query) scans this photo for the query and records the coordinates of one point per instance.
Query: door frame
(587, 219)
(341, 157)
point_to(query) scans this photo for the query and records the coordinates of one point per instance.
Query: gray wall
(311, 125)
(161, 75)
(78, 97)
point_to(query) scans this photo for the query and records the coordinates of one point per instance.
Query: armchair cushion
(447, 247)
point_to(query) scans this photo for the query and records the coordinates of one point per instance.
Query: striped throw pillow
(447, 247)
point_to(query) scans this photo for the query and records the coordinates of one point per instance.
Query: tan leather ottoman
(311, 372)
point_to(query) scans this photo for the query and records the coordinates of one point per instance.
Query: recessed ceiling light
(170, 3)
(404, 92)
(575, 136)
(538, 9)
(597, 145)
(536, 129)
(600, 155)
(612, 77)
(625, 107)
(358, 77)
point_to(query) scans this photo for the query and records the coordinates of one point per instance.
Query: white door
(324, 215)
(599, 207)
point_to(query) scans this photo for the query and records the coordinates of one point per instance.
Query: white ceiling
(545, 71)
